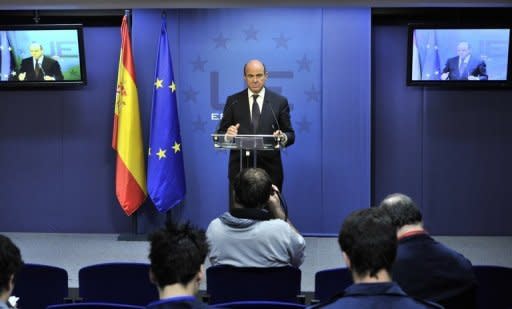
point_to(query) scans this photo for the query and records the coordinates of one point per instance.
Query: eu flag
(6, 57)
(431, 68)
(166, 174)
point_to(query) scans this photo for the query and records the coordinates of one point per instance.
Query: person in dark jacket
(424, 267)
(368, 244)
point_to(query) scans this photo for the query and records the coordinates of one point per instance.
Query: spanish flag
(127, 137)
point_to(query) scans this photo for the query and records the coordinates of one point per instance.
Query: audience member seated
(177, 257)
(256, 231)
(10, 264)
(425, 268)
(368, 243)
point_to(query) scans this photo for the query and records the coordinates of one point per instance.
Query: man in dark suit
(464, 66)
(39, 67)
(270, 115)
(425, 268)
(368, 243)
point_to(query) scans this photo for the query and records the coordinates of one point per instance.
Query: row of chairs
(39, 286)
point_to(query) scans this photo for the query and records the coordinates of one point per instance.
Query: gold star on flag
(149, 151)
(176, 147)
(158, 83)
(161, 153)
(173, 86)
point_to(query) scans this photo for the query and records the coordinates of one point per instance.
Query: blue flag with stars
(166, 174)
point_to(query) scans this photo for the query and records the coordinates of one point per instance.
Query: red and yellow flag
(127, 136)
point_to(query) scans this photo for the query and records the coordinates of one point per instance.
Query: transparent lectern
(247, 143)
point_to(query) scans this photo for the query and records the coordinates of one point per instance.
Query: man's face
(462, 50)
(255, 76)
(36, 51)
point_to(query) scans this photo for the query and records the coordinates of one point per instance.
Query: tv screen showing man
(41, 55)
(39, 67)
(462, 55)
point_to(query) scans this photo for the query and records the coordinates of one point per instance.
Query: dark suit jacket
(50, 67)
(274, 116)
(382, 295)
(475, 67)
(426, 269)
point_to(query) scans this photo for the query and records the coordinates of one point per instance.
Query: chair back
(330, 282)
(228, 283)
(38, 286)
(493, 286)
(124, 283)
(94, 306)
(259, 304)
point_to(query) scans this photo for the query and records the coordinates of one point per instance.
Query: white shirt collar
(40, 60)
(261, 93)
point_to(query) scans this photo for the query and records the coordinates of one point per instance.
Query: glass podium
(247, 144)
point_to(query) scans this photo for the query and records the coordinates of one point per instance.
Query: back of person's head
(10, 263)
(368, 238)
(252, 187)
(401, 209)
(177, 253)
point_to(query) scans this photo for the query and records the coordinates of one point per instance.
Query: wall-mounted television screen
(41, 55)
(459, 56)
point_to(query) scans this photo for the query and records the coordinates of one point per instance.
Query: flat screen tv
(41, 55)
(455, 55)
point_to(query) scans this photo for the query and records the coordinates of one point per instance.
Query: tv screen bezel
(14, 84)
(458, 83)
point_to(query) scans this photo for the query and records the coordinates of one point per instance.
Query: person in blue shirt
(368, 244)
(10, 264)
(177, 254)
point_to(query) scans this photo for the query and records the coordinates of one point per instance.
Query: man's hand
(48, 77)
(473, 77)
(22, 75)
(281, 137)
(274, 204)
(233, 130)
(444, 76)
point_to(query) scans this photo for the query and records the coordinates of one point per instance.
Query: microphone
(273, 115)
(275, 119)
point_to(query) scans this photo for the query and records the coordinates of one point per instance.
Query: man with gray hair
(424, 267)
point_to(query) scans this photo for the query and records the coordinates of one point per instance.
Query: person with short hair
(10, 264)
(39, 67)
(257, 110)
(368, 243)
(464, 66)
(177, 254)
(424, 267)
(256, 231)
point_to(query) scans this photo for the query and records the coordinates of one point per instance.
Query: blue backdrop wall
(55, 145)
(447, 148)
